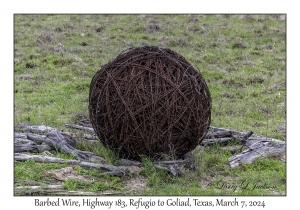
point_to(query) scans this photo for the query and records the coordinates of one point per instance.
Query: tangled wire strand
(149, 101)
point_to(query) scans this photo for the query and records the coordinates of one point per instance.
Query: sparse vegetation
(242, 58)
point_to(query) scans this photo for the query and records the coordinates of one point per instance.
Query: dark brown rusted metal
(149, 101)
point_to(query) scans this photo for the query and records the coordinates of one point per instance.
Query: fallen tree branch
(219, 134)
(113, 170)
(41, 192)
(23, 141)
(246, 136)
(42, 138)
(40, 187)
(80, 127)
(234, 132)
(90, 137)
(33, 128)
(55, 139)
(176, 167)
(258, 147)
(36, 141)
(20, 135)
(223, 136)
(28, 147)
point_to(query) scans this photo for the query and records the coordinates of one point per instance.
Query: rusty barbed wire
(149, 101)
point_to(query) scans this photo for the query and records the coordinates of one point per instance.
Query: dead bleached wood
(246, 136)
(234, 132)
(254, 139)
(258, 147)
(36, 137)
(44, 192)
(35, 141)
(40, 187)
(224, 136)
(55, 139)
(43, 159)
(219, 134)
(20, 135)
(176, 167)
(42, 138)
(90, 137)
(80, 127)
(113, 170)
(33, 128)
(27, 142)
(216, 135)
(23, 144)
(23, 141)
(28, 147)
(52, 139)
(170, 162)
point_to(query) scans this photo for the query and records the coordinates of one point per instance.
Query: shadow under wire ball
(149, 101)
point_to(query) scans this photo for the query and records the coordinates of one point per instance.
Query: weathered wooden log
(54, 192)
(20, 135)
(25, 144)
(170, 162)
(246, 136)
(35, 141)
(23, 141)
(56, 186)
(223, 136)
(258, 147)
(176, 167)
(113, 170)
(254, 139)
(33, 128)
(90, 137)
(80, 127)
(64, 192)
(219, 134)
(25, 148)
(43, 159)
(30, 148)
(173, 169)
(234, 132)
(55, 139)
(42, 138)
(36, 137)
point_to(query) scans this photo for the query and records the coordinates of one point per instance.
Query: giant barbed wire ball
(149, 101)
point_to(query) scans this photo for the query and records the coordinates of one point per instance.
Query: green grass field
(242, 58)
